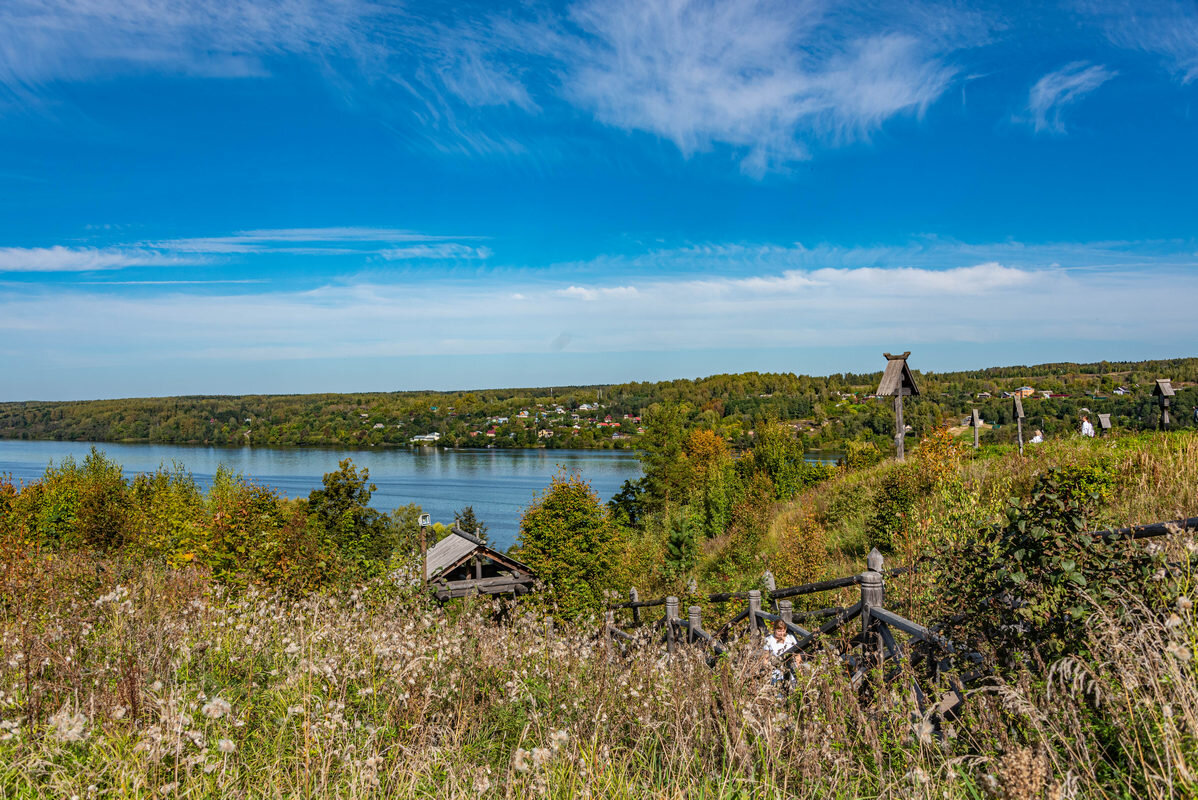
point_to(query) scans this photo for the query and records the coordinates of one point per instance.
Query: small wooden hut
(461, 564)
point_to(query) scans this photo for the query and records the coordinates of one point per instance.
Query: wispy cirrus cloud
(84, 259)
(1166, 29)
(771, 80)
(767, 78)
(1054, 92)
(385, 243)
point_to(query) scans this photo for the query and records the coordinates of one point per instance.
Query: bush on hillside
(1028, 588)
(570, 543)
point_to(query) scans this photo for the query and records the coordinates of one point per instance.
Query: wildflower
(156, 686)
(291, 649)
(167, 788)
(917, 776)
(924, 731)
(1180, 652)
(558, 738)
(8, 730)
(216, 708)
(293, 710)
(1184, 603)
(225, 746)
(68, 727)
(520, 760)
(540, 756)
(373, 762)
(1173, 621)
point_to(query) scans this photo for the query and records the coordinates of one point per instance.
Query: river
(499, 484)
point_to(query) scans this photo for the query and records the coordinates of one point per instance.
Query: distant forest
(824, 412)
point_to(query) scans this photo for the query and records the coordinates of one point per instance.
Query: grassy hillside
(130, 674)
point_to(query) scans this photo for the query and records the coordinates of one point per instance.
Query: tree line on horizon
(825, 411)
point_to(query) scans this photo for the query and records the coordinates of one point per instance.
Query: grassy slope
(376, 694)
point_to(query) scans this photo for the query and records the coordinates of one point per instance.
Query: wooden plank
(790, 626)
(909, 627)
(840, 619)
(1147, 531)
(821, 586)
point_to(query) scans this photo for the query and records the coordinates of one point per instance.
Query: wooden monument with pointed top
(898, 382)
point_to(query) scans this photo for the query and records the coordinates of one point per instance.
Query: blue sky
(342, 195)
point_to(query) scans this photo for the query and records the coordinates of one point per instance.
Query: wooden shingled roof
(897, 379)
(459, 546)
(1163, 388)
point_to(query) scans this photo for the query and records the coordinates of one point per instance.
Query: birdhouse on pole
(898, 382)
(975, 422)
(1163, 391)
(1017, 412)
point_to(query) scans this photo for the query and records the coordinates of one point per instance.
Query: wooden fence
(886, 640)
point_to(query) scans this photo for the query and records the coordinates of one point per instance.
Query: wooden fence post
(786, 610)
(609, 622)
(636, 612)
(754, 610)
(671, 615)
(694, 622)
(976, 422)
(873, 591)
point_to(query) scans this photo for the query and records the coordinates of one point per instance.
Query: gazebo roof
(458, 547)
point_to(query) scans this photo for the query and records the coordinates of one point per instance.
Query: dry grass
(144, 682)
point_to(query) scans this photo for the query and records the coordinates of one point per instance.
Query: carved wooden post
(754, 610)
(1164, 391)
(1017, 410)
(786, 610)
(609, 622)
(897, 382)
(977, 424)
(694, 621)
(872, 596)
(671, 615)
(636, 612)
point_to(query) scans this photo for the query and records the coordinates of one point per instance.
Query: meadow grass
(122, 677)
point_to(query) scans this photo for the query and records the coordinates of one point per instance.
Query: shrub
(861, 455)
(893, 519)
(570, 542)
(1029, 587)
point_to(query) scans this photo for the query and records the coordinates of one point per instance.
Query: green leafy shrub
(1028, 587)
(893, 518)
(861, 455)
(570, 542)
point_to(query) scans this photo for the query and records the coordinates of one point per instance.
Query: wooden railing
(886, 638)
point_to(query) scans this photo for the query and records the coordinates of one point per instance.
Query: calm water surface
(498, 483)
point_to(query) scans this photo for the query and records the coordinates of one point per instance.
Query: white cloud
(341, 241)
(771, 79)
(764, 77)
(51, 40)
(1052, 93)
(84, 259)
(442, 251)
(822, 307)
(1164, 28)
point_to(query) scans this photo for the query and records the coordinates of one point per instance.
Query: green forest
(824, 411)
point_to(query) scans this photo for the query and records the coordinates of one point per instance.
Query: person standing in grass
(1039, 437)
(777, 643)
(1087, 428)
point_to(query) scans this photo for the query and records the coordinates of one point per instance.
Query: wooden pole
(900, 429)
(754, 610)
(872, 596)
(636, 612)
(694, 622)
(786, 610)
(609, 622)
(423, 554)
(1019, 429)
(977, 425)
(671, 615)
